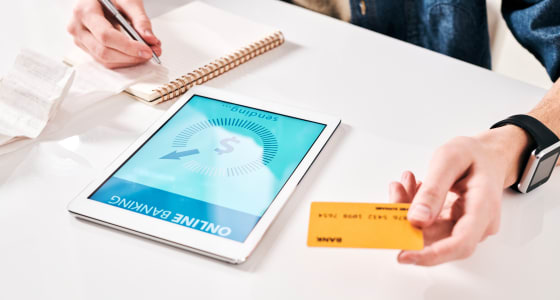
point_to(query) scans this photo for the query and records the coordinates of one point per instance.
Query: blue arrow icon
(177, 155)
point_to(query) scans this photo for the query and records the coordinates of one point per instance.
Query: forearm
(513, 144)
(548, 110)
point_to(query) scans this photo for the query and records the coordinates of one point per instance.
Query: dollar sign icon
(226, 144)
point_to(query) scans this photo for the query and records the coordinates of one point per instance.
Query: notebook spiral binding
(219, 66)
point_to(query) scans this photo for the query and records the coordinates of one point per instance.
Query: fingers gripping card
(362, 225)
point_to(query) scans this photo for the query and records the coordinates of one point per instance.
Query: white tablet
(210, 175)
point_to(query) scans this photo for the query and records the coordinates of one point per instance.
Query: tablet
(210, 175)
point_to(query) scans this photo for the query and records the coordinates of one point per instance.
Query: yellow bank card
(362, 225)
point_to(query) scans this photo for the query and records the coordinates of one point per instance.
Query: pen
(127, 27)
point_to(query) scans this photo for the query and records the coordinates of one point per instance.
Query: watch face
(544, 169)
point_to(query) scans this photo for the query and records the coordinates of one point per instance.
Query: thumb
(449, 163)
(136, 13)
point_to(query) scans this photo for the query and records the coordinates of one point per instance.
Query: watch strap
(542, 136)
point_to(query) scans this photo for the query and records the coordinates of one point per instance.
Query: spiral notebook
(199, 42)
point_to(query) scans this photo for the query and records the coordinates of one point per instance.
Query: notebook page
(195, 35)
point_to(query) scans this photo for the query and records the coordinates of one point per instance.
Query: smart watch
(542, 159)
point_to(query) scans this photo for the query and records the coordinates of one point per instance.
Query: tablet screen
(214, 167)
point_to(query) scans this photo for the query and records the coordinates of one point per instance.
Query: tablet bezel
(184, 237)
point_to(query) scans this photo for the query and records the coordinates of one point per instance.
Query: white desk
(397, 102)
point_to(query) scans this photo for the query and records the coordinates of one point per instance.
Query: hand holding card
(362, 225)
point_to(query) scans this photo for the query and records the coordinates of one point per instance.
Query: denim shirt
(459, 28)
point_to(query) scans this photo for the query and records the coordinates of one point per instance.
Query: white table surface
(397, 102)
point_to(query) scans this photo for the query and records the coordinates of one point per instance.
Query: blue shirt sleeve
(536, 25)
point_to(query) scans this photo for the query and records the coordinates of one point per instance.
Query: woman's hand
(95, 34)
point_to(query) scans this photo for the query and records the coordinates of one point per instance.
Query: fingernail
(410, 260)
(144, 54)
(148, 32)
(419, 212)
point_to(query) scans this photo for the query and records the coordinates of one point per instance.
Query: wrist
(512, 146)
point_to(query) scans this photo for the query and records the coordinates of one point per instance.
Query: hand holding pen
(95, 34)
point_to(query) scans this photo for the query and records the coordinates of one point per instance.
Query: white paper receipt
(30, 95)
